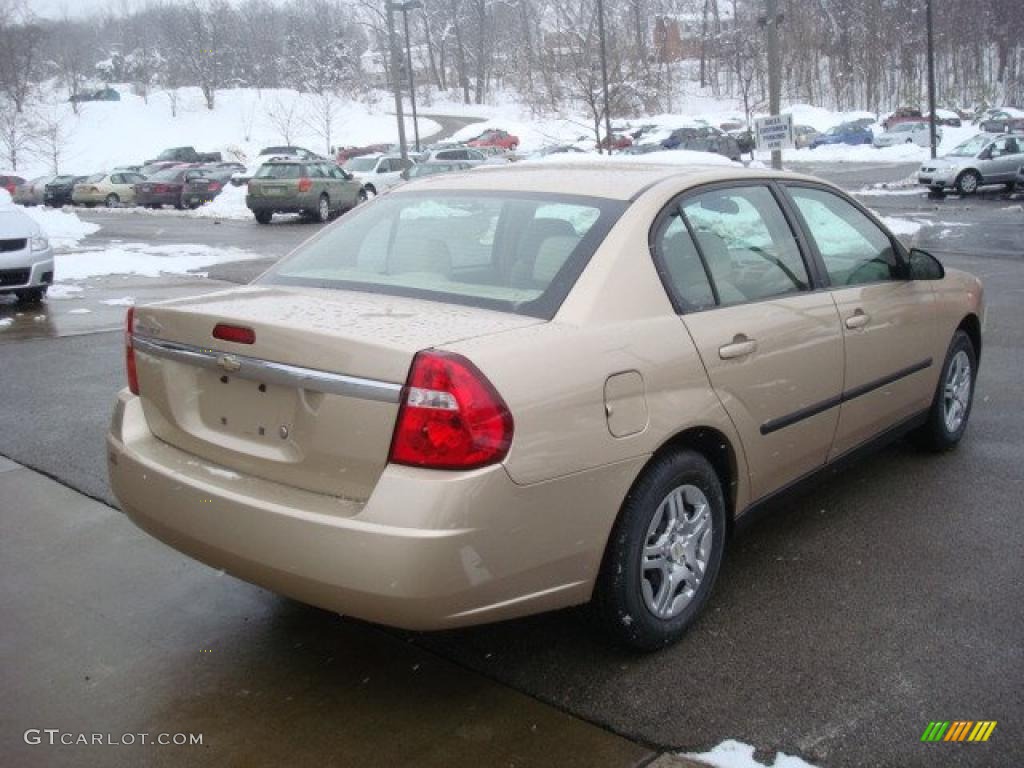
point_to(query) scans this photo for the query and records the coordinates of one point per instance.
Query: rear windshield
(279, 171)
(361, 164)
(512, 252)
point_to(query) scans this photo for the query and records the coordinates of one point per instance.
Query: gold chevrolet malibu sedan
(491, 394)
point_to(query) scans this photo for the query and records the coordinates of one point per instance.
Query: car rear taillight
(160, 188)
(305, 184)
(214, 186)
(129, 351)
(234, 333)
(451, 417)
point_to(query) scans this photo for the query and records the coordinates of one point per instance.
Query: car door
(770, 342)
(888, 325)
(1004, 160)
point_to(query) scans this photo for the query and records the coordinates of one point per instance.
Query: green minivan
(316, 189)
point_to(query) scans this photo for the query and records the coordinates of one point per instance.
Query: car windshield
(514, 252)
(279, 171)
(971, 147)
(836, 130)
(168, 154)
(167, 174)
(63, 179)
(361, 164)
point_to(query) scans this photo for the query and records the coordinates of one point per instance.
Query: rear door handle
(857, 320)
(740, 346)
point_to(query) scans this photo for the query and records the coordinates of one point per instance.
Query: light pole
(396, 65)
(931, 79)
(410, 5)
(772, 18)
(604, 78)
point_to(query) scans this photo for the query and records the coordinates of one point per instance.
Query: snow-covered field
(142, 259)
(133, 130)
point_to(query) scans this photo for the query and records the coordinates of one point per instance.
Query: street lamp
(409, 5)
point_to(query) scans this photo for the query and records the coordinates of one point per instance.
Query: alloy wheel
(956, 394)
(676, 551)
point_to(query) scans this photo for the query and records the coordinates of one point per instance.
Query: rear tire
(323, 209)
(954, 396)
(663, 554)
(936, 193)
(263, 217)
(31, 295)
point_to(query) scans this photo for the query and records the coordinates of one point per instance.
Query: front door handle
(857, 320)
(740, 346)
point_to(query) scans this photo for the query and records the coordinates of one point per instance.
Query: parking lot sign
(774, 132)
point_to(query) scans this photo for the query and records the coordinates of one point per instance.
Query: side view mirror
(924, 266)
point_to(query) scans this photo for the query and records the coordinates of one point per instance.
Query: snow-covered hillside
(130, 131)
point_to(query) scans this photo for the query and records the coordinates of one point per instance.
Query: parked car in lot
(981, 160)
(477, 404)
(344, 154)
(847, 133)
(432, 168)
(377, 173)
(26, 258)
(103, 94)
(58, 191)
(31, 192)
(902, 115)
(804, 135)
(199, 189)
(907, 133)
(109, 189)
(946, 117)
(243, 174)
(455, 154)
(186, 155)
(11, 182)
(1003, 125)
(618, 141)
(496, 138)
(167, 187)
(744, 139)
(704, 139)
(317, 190)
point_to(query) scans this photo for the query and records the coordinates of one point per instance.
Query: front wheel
(362, 197)
(951, 405)
(31, 295)
(112, 200)
(967, 183)
(663, 554)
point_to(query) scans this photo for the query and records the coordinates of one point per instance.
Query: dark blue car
(847, 133)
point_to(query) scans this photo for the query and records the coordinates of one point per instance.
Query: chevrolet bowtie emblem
(229, 363)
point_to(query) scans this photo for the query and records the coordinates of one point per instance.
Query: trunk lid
(321, 416)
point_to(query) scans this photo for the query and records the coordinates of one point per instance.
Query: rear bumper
(427, 550)
(284, 204)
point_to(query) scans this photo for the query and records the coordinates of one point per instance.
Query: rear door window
(746, 244)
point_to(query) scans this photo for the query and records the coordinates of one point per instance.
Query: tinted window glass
(279, 171)
(518, 253)
(854, 249)
(680, 264)
(746, 243)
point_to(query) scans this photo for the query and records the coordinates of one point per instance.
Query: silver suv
(982, 159)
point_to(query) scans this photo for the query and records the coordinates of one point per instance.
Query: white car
(26, 258)
(378, 173)
(907, 133)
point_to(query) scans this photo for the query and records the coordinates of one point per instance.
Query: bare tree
(17, 136)
(54, 125)
(284, 116)
(20, 65)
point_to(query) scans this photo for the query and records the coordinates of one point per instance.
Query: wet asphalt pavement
(884, 598)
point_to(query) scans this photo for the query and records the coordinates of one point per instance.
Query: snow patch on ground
(63, 292)
(5, 321)
(124, 301)
(63, 228)
(229, 204)
(80, 311)
(143, 259)
(736, 754)
(902, 227)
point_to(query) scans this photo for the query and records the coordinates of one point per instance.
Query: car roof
(612, 180)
